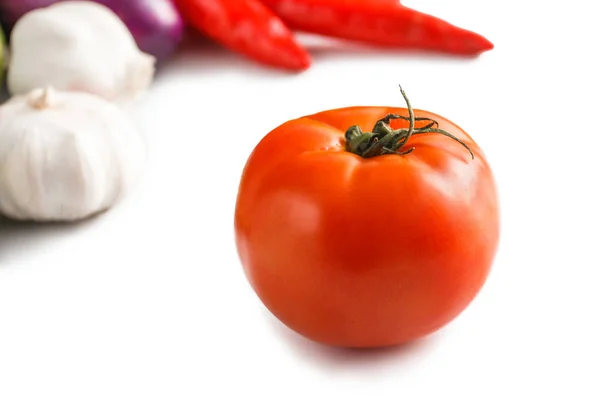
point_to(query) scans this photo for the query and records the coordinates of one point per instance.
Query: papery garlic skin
(65, 156)
(77, 46)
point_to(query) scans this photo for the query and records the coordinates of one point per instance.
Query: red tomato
(366, 252)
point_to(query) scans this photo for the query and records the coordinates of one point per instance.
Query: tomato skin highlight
(357, 252)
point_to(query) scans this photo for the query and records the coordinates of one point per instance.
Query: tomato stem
(385, 140)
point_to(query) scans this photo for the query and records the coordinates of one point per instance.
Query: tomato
(358, 251)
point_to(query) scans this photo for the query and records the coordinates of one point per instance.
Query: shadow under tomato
(335, 358)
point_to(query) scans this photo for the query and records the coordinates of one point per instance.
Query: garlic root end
(42, 98)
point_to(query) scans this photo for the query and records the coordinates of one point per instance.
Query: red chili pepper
(378, 22)
(249, 28)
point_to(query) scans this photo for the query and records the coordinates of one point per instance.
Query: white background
(149, 301)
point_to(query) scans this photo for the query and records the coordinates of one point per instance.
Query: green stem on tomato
(384, 140)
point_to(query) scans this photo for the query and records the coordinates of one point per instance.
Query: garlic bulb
(65, 155)
(77, 46)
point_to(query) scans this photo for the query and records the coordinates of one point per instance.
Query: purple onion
(156, 25)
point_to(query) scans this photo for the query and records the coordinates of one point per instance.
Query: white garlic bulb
(65, 155)
(77, 46)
